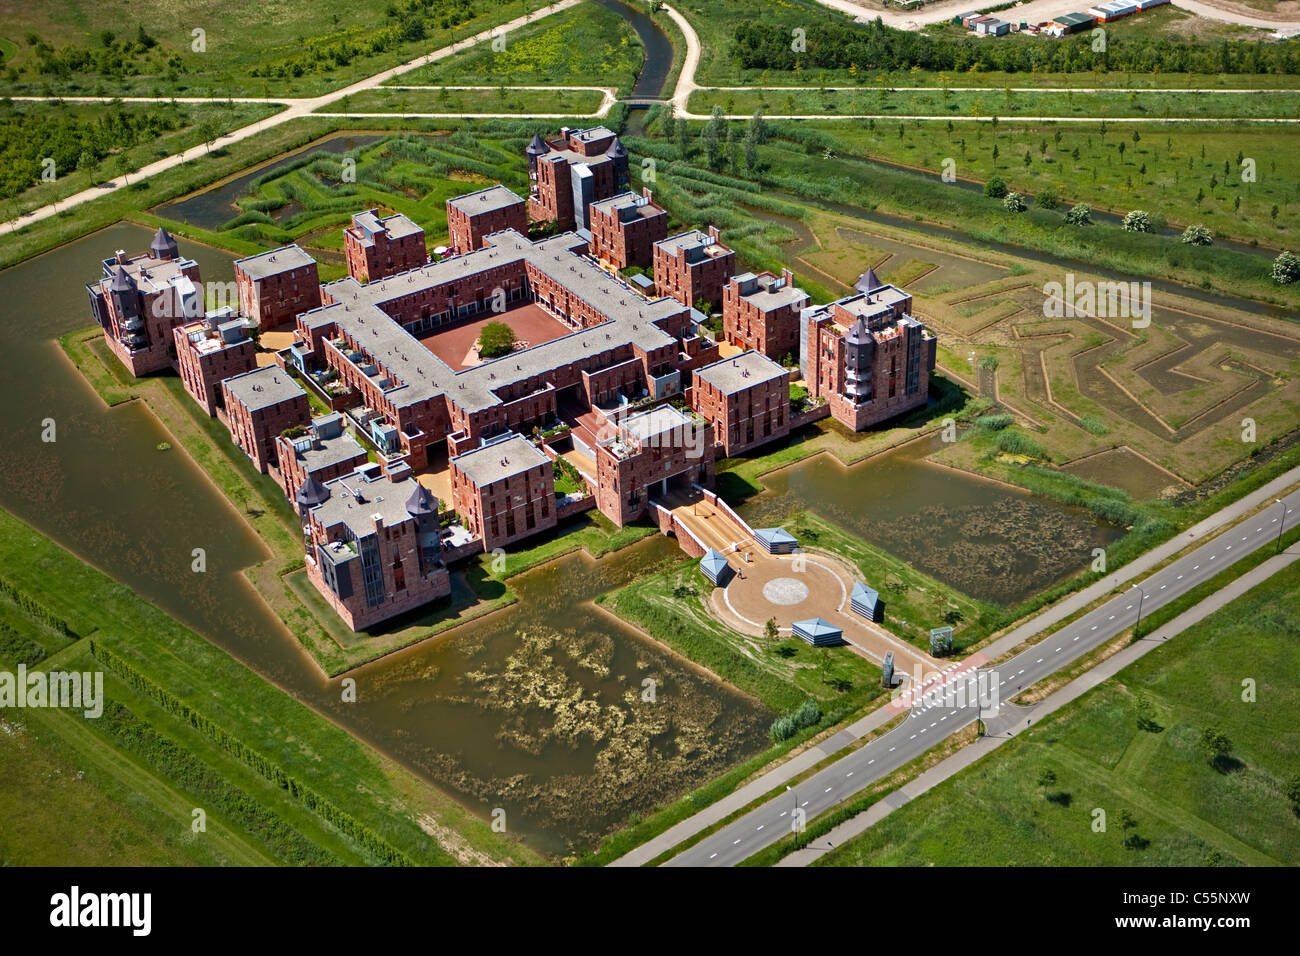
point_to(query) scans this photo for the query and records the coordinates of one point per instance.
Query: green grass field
(587, 45)
(523, 102)
(1189, 813)
(149, 47)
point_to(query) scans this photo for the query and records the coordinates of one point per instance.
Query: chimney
(121, 257)
(645, 192)
(787, 276)
(714, 234)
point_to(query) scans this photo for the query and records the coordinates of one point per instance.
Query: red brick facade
(255, 424)
(275, 287)
(744, 416)
(207, 353)
(551, 172)
(693, 267)
(762, 313)
(517, 502)
(634, 467)
(376, 248)
(140, 301)
(471, 218)
(625, 228)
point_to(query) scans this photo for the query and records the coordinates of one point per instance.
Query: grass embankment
(267, 747)
(1005, 810)
(454, 101)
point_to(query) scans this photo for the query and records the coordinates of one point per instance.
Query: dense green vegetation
(281, 49)
(584, 46)
(766, 45)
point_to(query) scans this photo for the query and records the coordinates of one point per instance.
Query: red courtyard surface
(455, 346)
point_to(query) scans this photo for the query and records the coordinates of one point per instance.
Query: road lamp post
(1141, 597)
(1282, 524)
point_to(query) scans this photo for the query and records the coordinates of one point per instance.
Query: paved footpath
(1070, 692)
(781, 775)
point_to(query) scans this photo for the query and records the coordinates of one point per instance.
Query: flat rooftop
(500, 459)
(398, 226)
(284, 259)
(693, 240)
(263, 387)
(420, 375)
(355, 502)
(770, 291)
(485, 200)
(741, 372)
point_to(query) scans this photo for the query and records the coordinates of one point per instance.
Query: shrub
(995, 188)
(1286, 268)
(1014, 202)
(1137, 220)
(787, 725)
(1079, 215)
(1014, 442)
(1048, 199)
(994, 423)
(1197, 235)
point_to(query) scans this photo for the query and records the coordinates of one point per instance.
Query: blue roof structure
(776, 540)
(818, 632)
(865, 601)
(715, 567)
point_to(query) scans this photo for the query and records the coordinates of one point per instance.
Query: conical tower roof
(121, 281)
(858, 334)
(868, 282)
(616, 149)
(421, 502)
(163, 245)
(312, 493)
(537, 147)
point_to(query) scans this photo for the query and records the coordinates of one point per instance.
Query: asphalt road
(927, 725)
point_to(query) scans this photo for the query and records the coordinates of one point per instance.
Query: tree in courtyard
(1197, 235)
(496, 339)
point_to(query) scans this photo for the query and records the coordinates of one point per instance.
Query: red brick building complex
(625, 228)
(274, 287)
(260, 405)
(747, 398)
(505, 490)
(210, 350)
(473, 217)
(867, 356)
(376, 248)
(693, 266)
(568, 174)
(652, 453)
(761, 312)
(139, 301)
(373, 546)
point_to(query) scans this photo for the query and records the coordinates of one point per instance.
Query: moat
(570, 755)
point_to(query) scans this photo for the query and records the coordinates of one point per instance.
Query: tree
(1293, 790)
(1146, 714)
(758, 127)
(1137, 220)
(682, 133)
(1216, 745)
(1047, 778)
(995, 188)
(1014, 202)
(770, 630)
(1048, 198)
(1197, 235)
(1079, 215)
(751, 152)
(496, 339)
(1286, 268)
